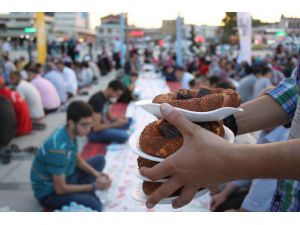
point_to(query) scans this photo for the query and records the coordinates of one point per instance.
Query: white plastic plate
(140, 196)
(139, 175)
(215, 115)
(135, 146)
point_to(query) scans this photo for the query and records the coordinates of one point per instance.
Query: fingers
(178, 120)
(157, 172)
(213, 204)
(185, 197)
(164, 191)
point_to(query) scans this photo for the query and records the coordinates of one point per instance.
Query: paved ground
(15, 189)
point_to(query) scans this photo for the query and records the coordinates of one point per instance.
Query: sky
(150, 13)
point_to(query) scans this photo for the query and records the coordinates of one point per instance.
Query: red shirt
(24, 125)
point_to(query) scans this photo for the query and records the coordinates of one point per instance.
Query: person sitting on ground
(24, 125)
(246, 85)
(183, 77)
(59, 175)
(213, 81)
(106, 128)
(226, 85)
(9, 67)
(169, 73)
(32, 97)
(263, 81)
(8, 128)
(129, 85)
(47, 90)
(69, 78)
(87, 73)
(57, 80)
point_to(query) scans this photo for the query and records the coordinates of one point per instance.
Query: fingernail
(149, 205)
(166, 108)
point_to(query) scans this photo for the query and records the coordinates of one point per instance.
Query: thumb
(177, 119)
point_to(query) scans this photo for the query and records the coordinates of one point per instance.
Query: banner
(122, 39)
(244, 24)
(179, 56)
(41, 38)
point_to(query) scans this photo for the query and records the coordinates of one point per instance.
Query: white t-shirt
(70, 80)
(187, 77)
(32, 98)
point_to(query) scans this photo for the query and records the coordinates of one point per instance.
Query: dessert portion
(203, 100)
(162, 139)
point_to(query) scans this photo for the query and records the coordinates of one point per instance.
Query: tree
(192, 38)
(229, 25)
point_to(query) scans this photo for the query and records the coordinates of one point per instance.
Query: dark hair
(266, 70)
(192, 83)
(179, 68)
(214, 80)
(33, 68)
(116, 85)
(225, 85)
(77, 110)
(257, 69)
(15, 73)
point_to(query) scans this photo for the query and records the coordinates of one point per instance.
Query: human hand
(103, 181)
(120, 122)
(200, 162)
(217, 200)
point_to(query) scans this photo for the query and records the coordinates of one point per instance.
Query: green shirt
(57, 156)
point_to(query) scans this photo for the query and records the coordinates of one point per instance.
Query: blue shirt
(57, 80)
(57, 156)
(261, 191)
(246, 88)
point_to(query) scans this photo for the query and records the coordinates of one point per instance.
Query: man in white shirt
(183, 77)
(30, 94)
(69, 77)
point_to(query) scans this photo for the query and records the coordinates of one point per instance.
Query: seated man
(21, 110)
(69, 77)
(129, 85)
(183, 77)
(56, 78)
(47, 90)
(59, 175)
(32, 97)
(106, 128)
(7, 128)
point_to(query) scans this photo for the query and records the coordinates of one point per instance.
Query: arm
(266, 113)
(84, 166)
(275, 108)
(206, 159)
(61, 187)
(99, 126)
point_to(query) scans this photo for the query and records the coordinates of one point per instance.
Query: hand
(103, 181)
(216, 201)
(201, 161)
(120, 122)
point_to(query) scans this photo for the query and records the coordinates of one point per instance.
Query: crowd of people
(29, 91)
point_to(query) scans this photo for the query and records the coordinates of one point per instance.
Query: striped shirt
(57, 156)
